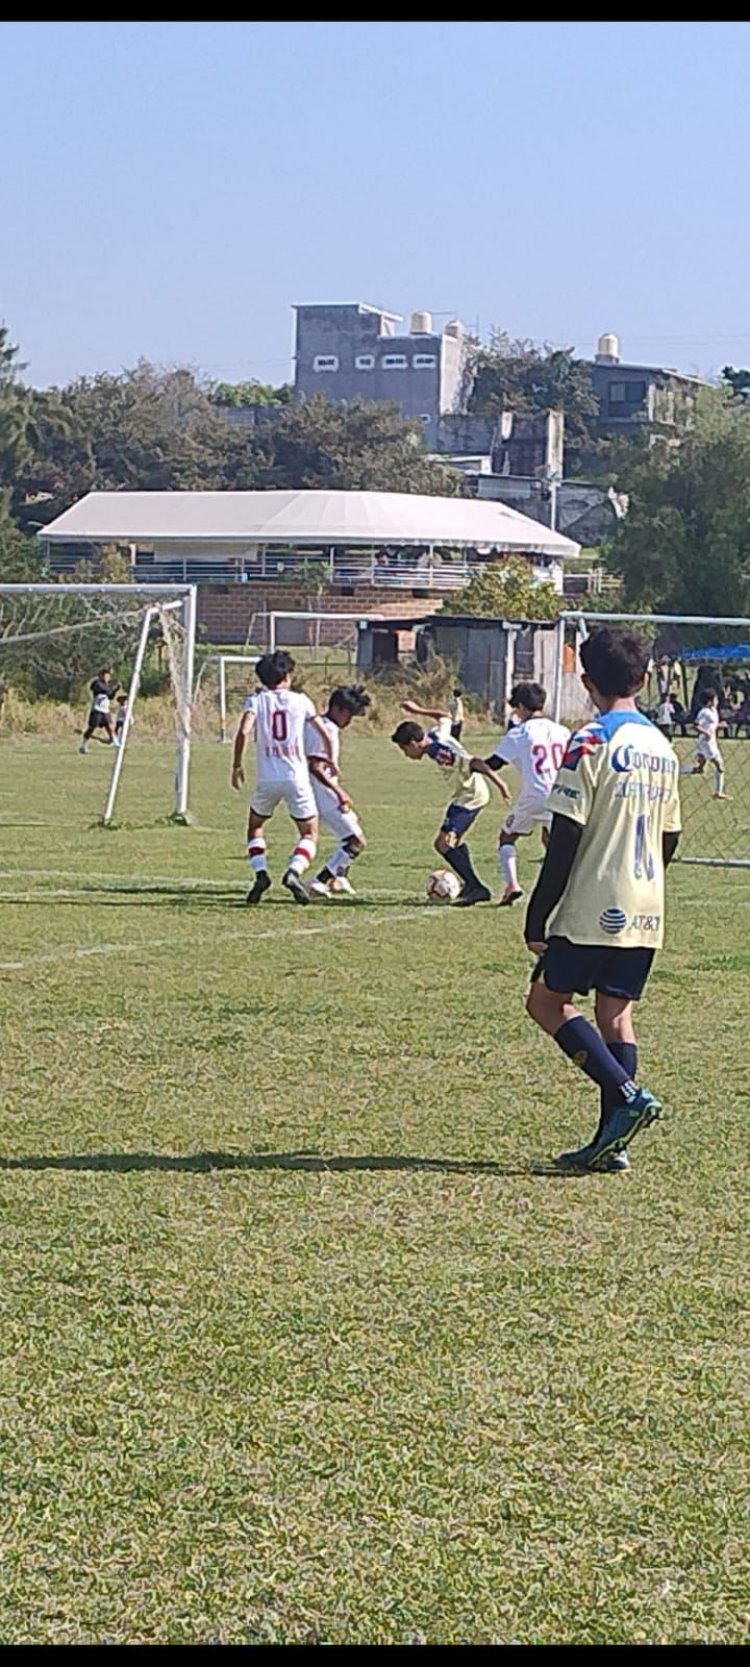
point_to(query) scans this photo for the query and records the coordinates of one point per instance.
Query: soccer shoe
(510, 895)
(262, 883)
(341, 886)
(578, 1161)
(294, 884)
(471, 895)
(722, 796)
(83, 748)
(318, 888)
(621, 1123)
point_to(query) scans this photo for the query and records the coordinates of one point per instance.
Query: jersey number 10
(644, 858)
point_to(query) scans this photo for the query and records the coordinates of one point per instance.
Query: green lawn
(300, 1340)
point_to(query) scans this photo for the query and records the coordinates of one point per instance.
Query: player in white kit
(276, 717)
(707, 750)
(333, 803)
(536, 746)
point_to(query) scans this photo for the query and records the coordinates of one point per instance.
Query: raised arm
(244, 728)
(417, 711)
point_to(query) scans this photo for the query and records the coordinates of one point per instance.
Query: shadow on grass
(179, 898)
(203, 1163)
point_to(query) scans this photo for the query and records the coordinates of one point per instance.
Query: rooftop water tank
(608, 349)
(421, 324)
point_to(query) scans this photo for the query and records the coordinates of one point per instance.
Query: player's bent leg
(449, 843)
(301, 857)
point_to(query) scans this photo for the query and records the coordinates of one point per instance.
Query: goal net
(56, 638)
(689, 656)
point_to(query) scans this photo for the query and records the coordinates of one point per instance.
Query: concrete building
(357, 351)
(630, 395)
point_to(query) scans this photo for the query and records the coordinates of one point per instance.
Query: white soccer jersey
(707, 723)
(536, 748)
(279, 733)
(314, 748)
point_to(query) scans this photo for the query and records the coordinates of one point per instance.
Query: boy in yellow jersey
(615, 828)
(468, 789)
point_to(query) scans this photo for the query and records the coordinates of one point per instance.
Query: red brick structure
(233, 614)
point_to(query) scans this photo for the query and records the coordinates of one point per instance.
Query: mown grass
(301, 1341)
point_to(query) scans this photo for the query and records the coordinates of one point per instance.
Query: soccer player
(333, 804)
(708, 723)
(596, 916)
(469, 792)
(276, 716)
(102, 694)
(120, 710)
(535, 745)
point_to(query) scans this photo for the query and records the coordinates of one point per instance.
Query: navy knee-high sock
(460, 861)
(583, 1044)
(626, 1054)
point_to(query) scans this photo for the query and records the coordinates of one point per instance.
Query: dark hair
(616, 661)
(530, 695)
(456, 691)
(352, 697)
(271, 669)
(121, 698)
(407, 731)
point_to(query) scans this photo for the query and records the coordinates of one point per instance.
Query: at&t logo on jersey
(612, 921)
(645, 923)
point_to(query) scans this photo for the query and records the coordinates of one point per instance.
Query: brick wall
(225, 612)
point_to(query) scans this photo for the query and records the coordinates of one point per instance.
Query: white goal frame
(579, 617)
(184, 600)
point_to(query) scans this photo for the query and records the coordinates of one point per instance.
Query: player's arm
(417, 711)
(321, 770)
(325, 746)
(483, 767)
(244, 729)
(564, 840)
(669, 844)
(495, 761)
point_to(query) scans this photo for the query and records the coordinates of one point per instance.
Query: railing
(312, 571)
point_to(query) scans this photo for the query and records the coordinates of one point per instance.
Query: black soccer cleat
(262, 884)
(471, 895)
(294, 884)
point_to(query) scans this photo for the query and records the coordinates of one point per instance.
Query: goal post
(173, 606)
(690, 655)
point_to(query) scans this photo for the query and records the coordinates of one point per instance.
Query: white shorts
(708, 750)
(527, 815)
(296, 793)
(343, 823)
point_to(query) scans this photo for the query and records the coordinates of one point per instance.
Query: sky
(169, 191)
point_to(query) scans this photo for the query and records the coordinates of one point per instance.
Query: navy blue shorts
(581, 967)
(458, 820)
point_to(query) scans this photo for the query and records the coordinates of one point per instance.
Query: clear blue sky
(169, 190)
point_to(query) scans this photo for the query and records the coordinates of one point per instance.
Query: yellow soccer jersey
(465, 786)
(619, 781)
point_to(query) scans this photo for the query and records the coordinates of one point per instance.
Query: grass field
(301, 1341)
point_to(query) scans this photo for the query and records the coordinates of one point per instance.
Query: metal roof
(369, 519)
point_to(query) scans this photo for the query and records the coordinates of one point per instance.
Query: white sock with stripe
(302, 856)
(506, 859)
(256, 853)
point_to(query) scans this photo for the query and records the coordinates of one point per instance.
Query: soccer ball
(442, 886)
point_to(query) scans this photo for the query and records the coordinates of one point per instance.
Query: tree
(506, 589)
(359, 447)
(738, 381)
(13, 411)
(684, 546)
(516, 376)
(234, 394)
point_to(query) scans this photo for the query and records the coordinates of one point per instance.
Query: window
(425, 418)
(364, 361)
(326, 361)
(394, 361)
(618, 393)
(424, 361)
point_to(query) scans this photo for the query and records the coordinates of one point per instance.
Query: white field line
(145, 946)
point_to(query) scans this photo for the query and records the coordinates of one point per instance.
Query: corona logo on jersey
(627, 758)
(585, 742)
